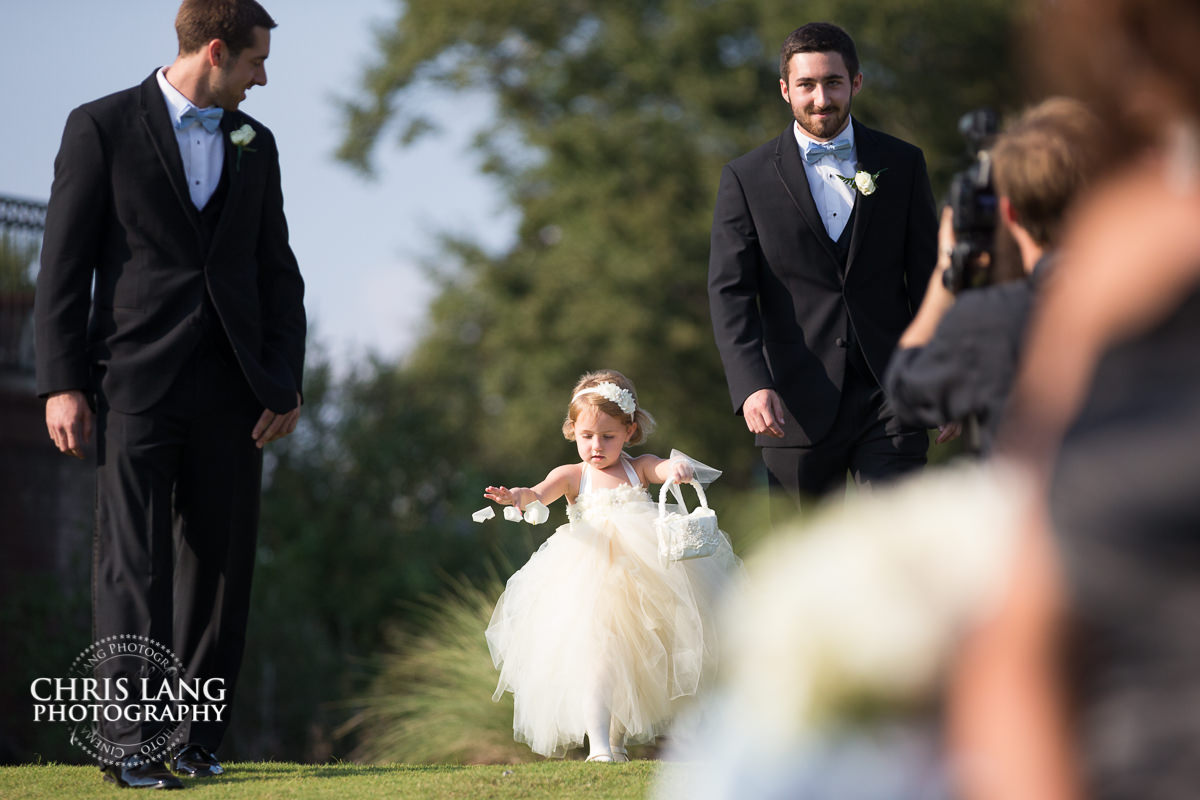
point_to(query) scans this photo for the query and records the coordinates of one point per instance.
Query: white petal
(536, 513)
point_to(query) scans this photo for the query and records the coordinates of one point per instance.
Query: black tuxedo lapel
(868, 161)
(230, 122)
(795, 180)
(158, 127)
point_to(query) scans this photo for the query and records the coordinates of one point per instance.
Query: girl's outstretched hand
(498, 494)
(506, 497)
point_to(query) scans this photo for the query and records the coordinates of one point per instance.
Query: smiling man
(170, 319)
(823, 241)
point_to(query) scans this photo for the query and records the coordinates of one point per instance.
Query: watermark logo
(125, 696)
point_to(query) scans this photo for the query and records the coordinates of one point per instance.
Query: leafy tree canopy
(613, 120)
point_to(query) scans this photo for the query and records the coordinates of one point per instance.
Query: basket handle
(674, 489)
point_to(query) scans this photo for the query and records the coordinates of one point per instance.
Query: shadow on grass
(271, 771)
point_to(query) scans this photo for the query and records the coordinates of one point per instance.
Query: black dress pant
(176, 526)
(867, 439)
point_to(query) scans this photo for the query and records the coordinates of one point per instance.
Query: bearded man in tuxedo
(823, 241)
(170, 319)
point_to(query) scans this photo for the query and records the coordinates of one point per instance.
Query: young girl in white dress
(595, 635)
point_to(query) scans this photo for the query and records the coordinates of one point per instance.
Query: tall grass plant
(430, 700)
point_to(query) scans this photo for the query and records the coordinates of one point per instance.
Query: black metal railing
(21, 225)
(24, 215)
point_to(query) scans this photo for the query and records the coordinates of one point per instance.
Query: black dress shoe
(137, 773)
(195, 761)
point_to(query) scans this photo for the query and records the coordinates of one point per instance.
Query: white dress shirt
(203, 152)
(834, 199)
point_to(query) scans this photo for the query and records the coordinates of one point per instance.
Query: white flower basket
(684, 536)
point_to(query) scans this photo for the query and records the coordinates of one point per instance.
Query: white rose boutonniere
(241, 138)
(863, 181)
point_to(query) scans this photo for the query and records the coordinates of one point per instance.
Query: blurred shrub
(430, 700)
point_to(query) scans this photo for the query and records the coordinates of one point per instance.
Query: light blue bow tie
(815, 151)
(210, 118)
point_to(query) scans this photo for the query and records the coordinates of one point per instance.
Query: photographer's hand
(938, 298)
(948, 432)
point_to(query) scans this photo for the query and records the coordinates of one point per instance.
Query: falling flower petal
(536, 513)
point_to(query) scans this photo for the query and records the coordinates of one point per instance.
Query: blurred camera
(973, 201)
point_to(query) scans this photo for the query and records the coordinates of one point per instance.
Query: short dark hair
(1042, 162)
(232, 21)
(818, 37)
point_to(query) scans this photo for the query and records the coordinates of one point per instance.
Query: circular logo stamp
(127, 695)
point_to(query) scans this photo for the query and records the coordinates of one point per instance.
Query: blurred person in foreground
(1086, 682)
(835, 647)
(958, 358)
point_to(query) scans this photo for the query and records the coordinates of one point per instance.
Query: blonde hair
(640, 416)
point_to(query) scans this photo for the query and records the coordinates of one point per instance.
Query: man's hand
(69, 421)
(763, 411)
(272, 426)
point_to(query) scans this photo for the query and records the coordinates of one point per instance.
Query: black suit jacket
(120, 215)
(782, 309)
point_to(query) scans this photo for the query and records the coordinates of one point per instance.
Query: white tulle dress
(594, 607)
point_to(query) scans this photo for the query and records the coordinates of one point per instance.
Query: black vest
(210, 215)
(842, 245)
(854, 353)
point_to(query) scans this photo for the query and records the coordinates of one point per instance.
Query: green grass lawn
(547, 780)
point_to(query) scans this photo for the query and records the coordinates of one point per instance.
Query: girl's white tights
(606, 736)
(596, 719)
(616, 741)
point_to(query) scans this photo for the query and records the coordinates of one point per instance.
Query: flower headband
(610, 391)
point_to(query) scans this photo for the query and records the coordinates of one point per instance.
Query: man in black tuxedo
(170, 301)
(813, 275)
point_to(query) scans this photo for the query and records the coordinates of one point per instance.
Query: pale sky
(358, 242)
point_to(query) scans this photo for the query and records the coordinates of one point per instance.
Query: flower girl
(595, 634)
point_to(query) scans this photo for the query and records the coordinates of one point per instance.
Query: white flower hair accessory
(610, 391)
(863, 181)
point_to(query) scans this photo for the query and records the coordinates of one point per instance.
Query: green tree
(613, 122)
